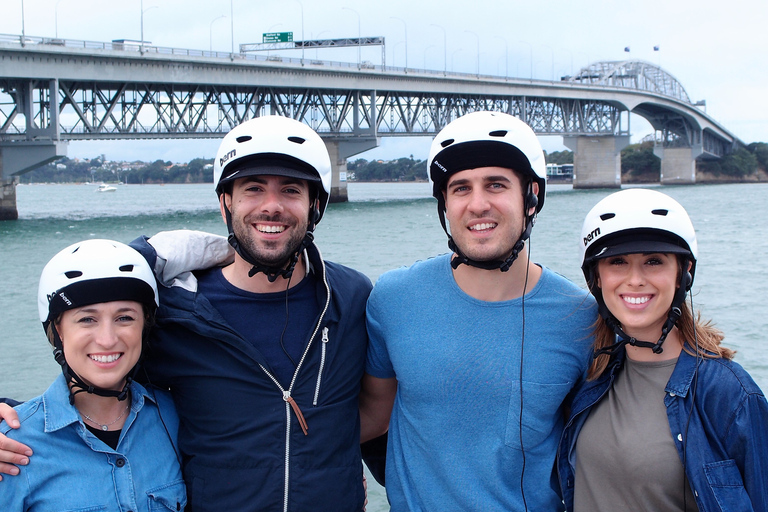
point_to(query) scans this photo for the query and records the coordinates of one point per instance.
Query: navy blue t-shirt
(260, 318)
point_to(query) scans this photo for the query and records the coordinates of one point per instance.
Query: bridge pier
(18, 157)
(8, 210)
(339, 151)
(678, 165)
(596, 160)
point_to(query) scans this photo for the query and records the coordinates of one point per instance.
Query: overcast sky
(716, 50)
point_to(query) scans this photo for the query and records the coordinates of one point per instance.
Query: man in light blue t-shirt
(474, 352)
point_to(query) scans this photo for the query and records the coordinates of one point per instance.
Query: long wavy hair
(700, 338)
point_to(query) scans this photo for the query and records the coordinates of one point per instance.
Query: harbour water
(383, 226)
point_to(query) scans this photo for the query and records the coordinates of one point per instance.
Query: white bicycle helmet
(274, 145)
(638, 221)
(92, 272)
(486, 139)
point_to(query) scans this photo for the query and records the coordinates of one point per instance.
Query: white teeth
(270, 229)
(485, 225)
(637, 300)
(106, 359)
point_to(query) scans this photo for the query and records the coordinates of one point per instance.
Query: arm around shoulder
(376, 399)
(12, 452)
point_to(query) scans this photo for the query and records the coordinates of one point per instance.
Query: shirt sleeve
(378, 363)
(748, 445)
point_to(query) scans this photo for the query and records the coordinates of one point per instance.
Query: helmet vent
(498, 133)
(607, 216)
(126, 268)
(243, 138)
(663, 213)
(297, 140)
(72, 274)
(447, 142)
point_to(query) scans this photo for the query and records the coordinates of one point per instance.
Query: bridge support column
(18, 157)
(678, 165)
(597, 160)
(339, 151)
(8, 210)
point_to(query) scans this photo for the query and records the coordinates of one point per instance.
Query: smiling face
(484, 207)
(638, 290)
(270, 216)
(102, 342)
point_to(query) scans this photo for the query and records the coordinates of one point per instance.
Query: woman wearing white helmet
(100, 438)
(666, 421)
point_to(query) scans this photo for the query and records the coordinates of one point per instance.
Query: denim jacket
(72, 470)
(725, 415)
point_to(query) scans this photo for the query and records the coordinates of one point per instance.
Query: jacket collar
(59, 413)
(682, 376)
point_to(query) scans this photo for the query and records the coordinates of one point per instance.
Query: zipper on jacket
(287, 393)
(322, 364)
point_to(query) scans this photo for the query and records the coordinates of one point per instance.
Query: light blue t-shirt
(455, 432)
(71, 469)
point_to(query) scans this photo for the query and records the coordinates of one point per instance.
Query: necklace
(102, 426)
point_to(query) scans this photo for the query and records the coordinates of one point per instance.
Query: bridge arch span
(632, 74)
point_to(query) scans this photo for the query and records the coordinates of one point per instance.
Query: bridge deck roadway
(43, 62)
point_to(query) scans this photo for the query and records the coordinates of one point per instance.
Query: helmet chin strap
(503, 265)
(74, 380)
(284, 269)
(625, 339)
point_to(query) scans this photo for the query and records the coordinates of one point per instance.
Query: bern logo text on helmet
(440, 166)
(65, 299)
(591, 236)
(226, 157)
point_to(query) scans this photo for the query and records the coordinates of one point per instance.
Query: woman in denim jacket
(102, 441)
(665, 421)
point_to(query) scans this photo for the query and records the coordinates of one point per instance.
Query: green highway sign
(277, 37)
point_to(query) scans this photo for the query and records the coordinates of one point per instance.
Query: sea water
(383, 226)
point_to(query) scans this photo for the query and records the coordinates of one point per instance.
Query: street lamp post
(405, 28)
(302, 31)
(506, 57)
(445, 49)
(552, 52)
(270, 29)
(478, 50)
(23, 35)
(571, 55)
(56, 15)
(530, 58)
(210, 32)
(318, 38)
(453, 69)
(142, 22)
(359, 36)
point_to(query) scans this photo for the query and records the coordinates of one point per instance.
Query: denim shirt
(725, 415)
(72, 470)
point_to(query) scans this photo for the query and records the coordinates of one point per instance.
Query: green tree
(639, 160)
(760, 150)
(559, 157)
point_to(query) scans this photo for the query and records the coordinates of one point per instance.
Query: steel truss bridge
(120, 91)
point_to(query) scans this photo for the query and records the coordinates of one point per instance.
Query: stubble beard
(269, 253)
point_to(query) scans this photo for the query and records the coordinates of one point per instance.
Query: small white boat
(105, 188)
